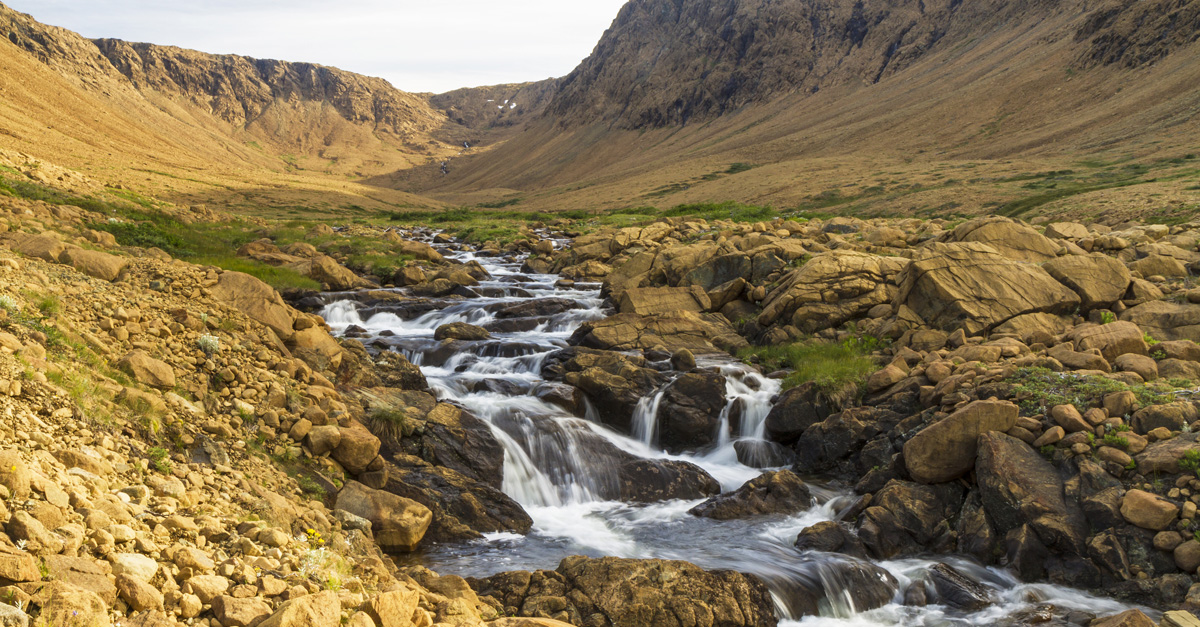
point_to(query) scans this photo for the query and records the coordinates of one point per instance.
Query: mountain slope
(821, 94)
(245, 128)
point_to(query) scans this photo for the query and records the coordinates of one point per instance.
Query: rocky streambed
(658, 457)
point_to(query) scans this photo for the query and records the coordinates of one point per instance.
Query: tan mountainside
(835, 95)
(185, 125)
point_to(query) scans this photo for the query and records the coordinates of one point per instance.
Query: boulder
(946, 449)
(1165, 320)
(322, 609)
(1148, 511)
(41, 247)
(139, 595)
(699, 333)
(829, 536)
(240, 612)
(831, 289)
(1098, 279)
(719, 270)
(96, 264)
(645, 301)
(418, 250)
(1066, 230)
(1112, 340)
(690, 413)
(63, 604)
(652, 480)
(1171, 416)
(1164, 456)
(327, 271)
(463, 508)
(906, 518)
(147, 370)
(257, 300)
(973, 287)
(398, 523)
(395, 608)
(1128, 618)
(1019, 487)
(635, 593)
(794, 411)
(356, 449)
(955, 589)
(461, 331)
(1014, 240)
(776, 492)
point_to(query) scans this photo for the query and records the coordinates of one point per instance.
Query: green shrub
(1190, 462)
(160, 460)
(838, 370)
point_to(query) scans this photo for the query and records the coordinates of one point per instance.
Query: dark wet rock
(650, 480)
(977, 536)
(841, 585)
(618, 592)
(387, 369)
(461, 331)
(777, 492)
(613, 382)
(565, 396)
(908, 518)
(458, 440)
(1019, 487)
(690, 413)
(830, 536)
(835, 440)
(763, 454)
(537, 308)
(957, 590)
(1026, 553)
(794, 411)
(462, 508)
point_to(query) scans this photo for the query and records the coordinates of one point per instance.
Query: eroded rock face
(1165, 320)
(1019, 487)
(1008, 237)
(634, 593)
(699, 333)
(1099, 280)
(973, 287)
(830, 289)
(651, 480)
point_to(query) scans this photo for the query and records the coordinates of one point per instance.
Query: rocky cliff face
(667, 62)
(241, 90)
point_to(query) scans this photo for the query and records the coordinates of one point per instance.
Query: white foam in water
(549, 467)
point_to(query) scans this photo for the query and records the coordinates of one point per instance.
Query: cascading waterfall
(553, 468)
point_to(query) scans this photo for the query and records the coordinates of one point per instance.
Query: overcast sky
(418, 45)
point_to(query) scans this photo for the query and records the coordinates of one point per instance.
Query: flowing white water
(555, 464)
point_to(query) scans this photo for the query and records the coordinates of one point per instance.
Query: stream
(547, 470)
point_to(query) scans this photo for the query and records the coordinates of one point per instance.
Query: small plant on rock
(9, 304)
(210, 344)
(160, 460)
(1190, 462)
(1116, 441)
(1107, 317)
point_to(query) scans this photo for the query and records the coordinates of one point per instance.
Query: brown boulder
(327, 271)
(645, 301)
(1113, 339)
(147, 370)
(1099, 279)
(461, 331)
(322, 609)
(95, 263)
(699, 333)
(973, 287)
(257, 300)
(946, 449)
(1165, 320)
(1010, 238)
(356, 448)
(830, 289)
(398, 523)
(1148, 511)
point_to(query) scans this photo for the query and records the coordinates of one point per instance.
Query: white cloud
(417, 45)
